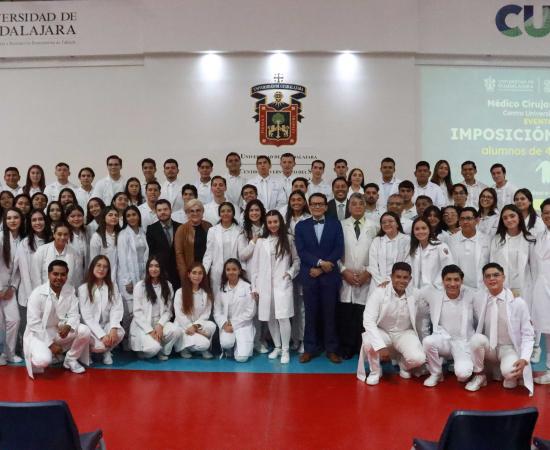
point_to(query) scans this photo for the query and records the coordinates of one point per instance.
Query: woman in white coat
(391, 245)
(512, 248)
(59, 248)
(221, 244)
(523, 199)
(274, 265)
(94, 208)
(297, 210)
(79, 237)
(104, 240)
(10, 238)
(234, 309)
(427, 256)
(39, 234)
(151, 332)
(541, 289)
(192, 308)
(488, 212)
(132, 254)
(101, 308)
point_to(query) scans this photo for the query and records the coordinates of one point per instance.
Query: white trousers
(196, 342)
(241, 340)
(9, 321)
(97, 345)
(151, 347)
(75, 344)
(404, 344)
(437, 347)
(504, 355)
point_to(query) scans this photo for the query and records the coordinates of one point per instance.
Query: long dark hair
(437, 229)
(397, 219)
(70, 208)
(447, 180)
(28, 183)
(187, 304)
(130, 208)
(242, 273)
(73, 195)
(415, 242)
(91, 279)
(148, 282)
(283, 245)
(139, 195)
(89, 217)
(362, 174)
(531, 211)
(48, 209)
(444, 225)
(46, 233)
(247, 224)
(491, 211)
(501, 229)
(222, 204)
(289, 214)
(6, 244)
(102, 228)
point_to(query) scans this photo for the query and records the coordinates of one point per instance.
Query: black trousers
(350, 327)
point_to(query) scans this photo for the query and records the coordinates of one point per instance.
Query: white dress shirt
(171, 191)
(322, 187)
(431, 190)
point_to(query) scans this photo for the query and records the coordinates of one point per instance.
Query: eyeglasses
(317, 205)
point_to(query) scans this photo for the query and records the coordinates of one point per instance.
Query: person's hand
(227, 327)
(130, 288)
(519, 365)
(326, 266)
(384, 284)
(106, 340)
(384, 354)
(159, 330)
(255, 295)
(63, 331)
(8, 293)
(363, 278)
(56, 349)
(286, 276)
(314, 272)
(191, 330)
(349, 277)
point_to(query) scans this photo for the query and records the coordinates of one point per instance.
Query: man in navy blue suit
(320, 244)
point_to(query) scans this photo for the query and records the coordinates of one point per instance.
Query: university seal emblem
(278, 118)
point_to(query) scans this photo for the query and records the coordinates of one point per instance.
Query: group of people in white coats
(279, 262)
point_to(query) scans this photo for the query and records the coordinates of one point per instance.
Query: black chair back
(37, 426)
(489, 430)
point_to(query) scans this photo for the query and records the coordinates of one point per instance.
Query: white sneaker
(433, 379)
(15, 359)
(108, 358)
(509, 384)
(275, 353)
(261, 348)
(186, 354)
(285, 357)
(74, 366)
(294, 345)
(301, 348)
(207, 355)
(543, 379)
(535, 356)
(3, 360)
(477, 382)
(162, 357)
(373, 379)
(405, 374)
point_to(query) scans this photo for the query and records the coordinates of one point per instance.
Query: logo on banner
(278, 118)
(508, 21)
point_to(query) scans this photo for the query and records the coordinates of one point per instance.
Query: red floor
(176, 410)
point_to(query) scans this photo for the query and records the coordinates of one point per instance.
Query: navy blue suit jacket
(331, 248)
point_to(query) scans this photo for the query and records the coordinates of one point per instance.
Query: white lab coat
(39, 308)
(48, 253)
(245, 247)
(202, 308)
(488, 225)
(97, 248)
(269, 280)
(214, 259)
(143, 315)
(356, 258)
(81, 245)
(102, 311)
(131, 269)
(541, 289)
(519, 328)
(537, 228)
(106, 188)
(499, 255)
(276, 197)
(427, 264)
(236, 306)
(378, 266)
(23, 262)
(9, 276)
(481, 253)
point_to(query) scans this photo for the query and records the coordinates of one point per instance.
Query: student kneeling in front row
(390, 326)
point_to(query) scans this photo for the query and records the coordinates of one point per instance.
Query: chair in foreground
(541, 444)
(485, 430)
(43, 426)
